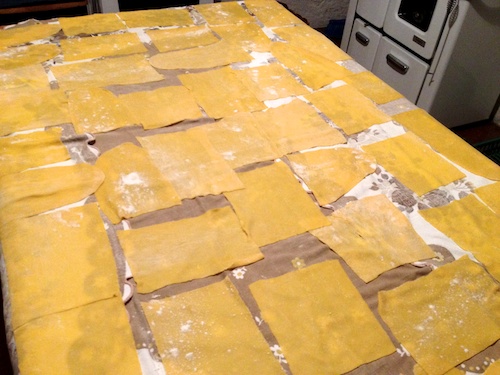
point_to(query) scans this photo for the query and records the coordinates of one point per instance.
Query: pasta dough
(25, 110)
(156, 17)
(312, 40)
(190, 163)
(373, 87)
(92, 24)
(99, 46)
(247, 35)
(220, 93)
(269, 82)
(182, 38)
(273, 206)
(445, 317)
(27, 78)
(161, 107)
(314, 70)
(16, 57)
(187, 249)
(308, 310)
(413, 163)
(473, 226)
(133, 185)
(20, 35)
(210, 56)
(35, 191)
(223, 13)
(238, 139)
(93, 339)
(56, 262)
(24, 151)
(331, 173)
(209, 330)
(111, 71)
(271, 13)
(490, 194)
(373, 236)
(348, 108)
(296, 126)
(96, 110)
(455, 148)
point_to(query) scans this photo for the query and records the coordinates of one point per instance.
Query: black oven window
(418, 13)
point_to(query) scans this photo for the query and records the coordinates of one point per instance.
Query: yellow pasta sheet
(210, 56)
(182, 38)
(220, 93)
(446, 317)
(24, 151)
(450, 145)
(271, 13)
(133, 185)
(314, 70)
(269, 82)
(331, 173)
(56, 262)
(348, 108)
(157, 17)
(238, 139)
(196, 332)
(473, 226)
(296, 126)
(320, 320)
(161, 107)
(191, 164)
(373, 87)
(248, 35)
(35, 191)
(99, 46)
(413, 163)
(94, 339)
(111, 71)
(27, 78)
(273, 206)
(20, 35)
(96, 110)
(490, 194)
(312, 40)
(92, 24)
(179, 251)
(16, 57)
(225, 13)
(373, 236)
(25, 110)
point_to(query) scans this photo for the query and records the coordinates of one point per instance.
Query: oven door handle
(397, 64)
(362, 39)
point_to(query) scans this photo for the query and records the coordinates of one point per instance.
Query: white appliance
(443, 55)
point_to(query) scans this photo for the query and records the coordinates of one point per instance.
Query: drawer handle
(363, 39)
(397, 64)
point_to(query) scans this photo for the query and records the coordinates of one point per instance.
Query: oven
(443, 55)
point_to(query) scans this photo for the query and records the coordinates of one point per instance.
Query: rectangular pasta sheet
(223, 13)
(110, 71)
(27, 78)
(156, 17)
(273, 206)
(348, 108)
(92, 339)
(247, 35)
(373, 236)
(413, 163)
(91, 24)
(166, 40)
(311, 313)
(133, 185)
(187, 249)
(209, 330)
(271, 13)
(56, 262)
(473, 226)
(24, 34)
(446, 317)
(190, 163)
